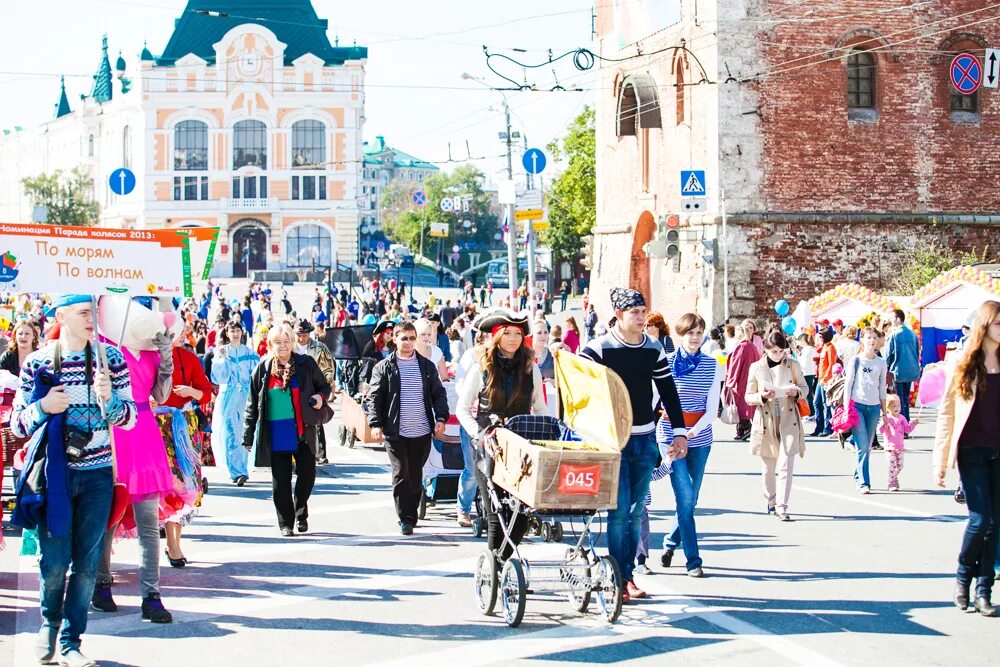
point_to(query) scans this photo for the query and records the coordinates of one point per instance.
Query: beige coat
(953, 413)
(766, 434)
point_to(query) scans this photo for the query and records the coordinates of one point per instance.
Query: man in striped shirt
(641, 363)
(78, 397)
(406, 405)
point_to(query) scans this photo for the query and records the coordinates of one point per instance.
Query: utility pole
(511, 222)
(530, 231)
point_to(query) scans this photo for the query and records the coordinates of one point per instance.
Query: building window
(191, 146)
(249, 187)
(308, 245)
(127, 147)
(308, 187)
(962, 102)
(90, 146)
(250, 144)
(860, 80)
(190, 188)
(308, 145)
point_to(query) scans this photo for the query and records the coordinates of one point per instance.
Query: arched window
(250, 144)
(191, 146)
(860, 80)
(308, 145)
(308, 245)
(638, 105)
(127, 147)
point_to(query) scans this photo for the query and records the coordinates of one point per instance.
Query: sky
(415, 95)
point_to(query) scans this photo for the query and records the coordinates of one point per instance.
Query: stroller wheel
(352, 439)
(535, 526)
(609, 588)
(513, 591)
(557, 532)
(477, 527)
(486, 583)
(546, 532)
(342, 435)
(579, 590)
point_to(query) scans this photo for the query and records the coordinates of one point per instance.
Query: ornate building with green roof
(384, 164)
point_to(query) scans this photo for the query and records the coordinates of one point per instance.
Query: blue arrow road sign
(419, 198)
(533, 161)
(122, 181)
(693, 183)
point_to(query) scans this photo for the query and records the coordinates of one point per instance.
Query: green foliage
(402, 219)
(67, 195)
(918, 265)
(572, 197)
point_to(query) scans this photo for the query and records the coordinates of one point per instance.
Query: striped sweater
(83, 411)
(698, 390)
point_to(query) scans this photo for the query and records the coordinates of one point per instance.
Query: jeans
(291, 506)
(147, 525)
(863, 432)
(820, 411)
(903, 390)
(810, 398)
(467, 482)
(408, 456)
(685, 477)
(625, 522)
(79, 552)
(562, 300)
(979, 469)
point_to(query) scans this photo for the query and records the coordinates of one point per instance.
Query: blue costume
(231, 370)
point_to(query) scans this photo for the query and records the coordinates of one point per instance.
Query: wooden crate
(353, 417)
(567, 475)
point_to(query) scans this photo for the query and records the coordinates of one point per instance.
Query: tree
(572, 196)
(402, 220)
(920, 264)
(67, 195)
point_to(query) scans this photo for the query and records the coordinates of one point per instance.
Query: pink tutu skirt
(142, 457)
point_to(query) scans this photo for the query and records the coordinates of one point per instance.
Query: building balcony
(258, 205)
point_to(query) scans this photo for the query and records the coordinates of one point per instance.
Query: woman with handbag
(968, 435)
(698, 378)
(737, 375)
(286, 408)
(865, 393)
(778, 388)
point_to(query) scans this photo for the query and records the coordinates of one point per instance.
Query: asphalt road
(854, 580)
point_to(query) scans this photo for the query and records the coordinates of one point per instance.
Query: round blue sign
(533, 161)
(122, 181)
(966, 73)
(419, 198)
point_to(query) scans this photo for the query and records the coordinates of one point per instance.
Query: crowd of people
(127, 428)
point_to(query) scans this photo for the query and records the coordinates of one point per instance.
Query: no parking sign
(966, 73)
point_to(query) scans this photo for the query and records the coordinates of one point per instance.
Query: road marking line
(875, 503)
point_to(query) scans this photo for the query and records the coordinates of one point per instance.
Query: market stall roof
(947, 301)
(851, 302)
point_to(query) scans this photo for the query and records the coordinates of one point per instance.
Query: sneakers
(102, 599)
(894, 488)
(864, 490)
(666, 557)
(241, 480)
(302, 525)
(74, 658)
(783, 516)
(286, 531)
(634, 591)
(696, 572)
(45, 644)
(405, 528)
(152, 610)
(642, 568)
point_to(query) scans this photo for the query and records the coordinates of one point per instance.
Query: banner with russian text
(94, 260)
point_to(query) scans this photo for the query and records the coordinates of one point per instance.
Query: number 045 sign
(579, 480)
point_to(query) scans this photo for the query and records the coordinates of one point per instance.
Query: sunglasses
(407, 339)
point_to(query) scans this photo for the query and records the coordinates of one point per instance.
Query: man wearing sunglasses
(406, 405)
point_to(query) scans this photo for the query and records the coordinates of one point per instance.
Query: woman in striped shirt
(699, 380)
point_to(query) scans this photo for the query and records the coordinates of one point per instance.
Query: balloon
(932, 385)
(781, 307)
(788, 325)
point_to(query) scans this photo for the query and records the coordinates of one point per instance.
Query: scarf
(685, 363)
(284, 371)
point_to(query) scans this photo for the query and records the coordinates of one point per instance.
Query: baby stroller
(442, 470)
(580, 574)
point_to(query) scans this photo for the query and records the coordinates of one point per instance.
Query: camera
(76, 440)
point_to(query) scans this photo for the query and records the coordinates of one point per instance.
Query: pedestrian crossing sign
(693, 183)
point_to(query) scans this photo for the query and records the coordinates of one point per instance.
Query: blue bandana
(63, 300)
(684, 363)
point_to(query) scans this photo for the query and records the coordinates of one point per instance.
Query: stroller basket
(540, 427)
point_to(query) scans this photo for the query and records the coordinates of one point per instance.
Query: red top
(210, 340)
(188, 371)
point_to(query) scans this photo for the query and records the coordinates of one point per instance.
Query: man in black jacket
(406, 402)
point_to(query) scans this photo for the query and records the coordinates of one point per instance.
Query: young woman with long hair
(232, 365)
(968, 435)
(23, 341)
(507, 383)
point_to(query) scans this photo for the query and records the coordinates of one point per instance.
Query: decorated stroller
(545, 470)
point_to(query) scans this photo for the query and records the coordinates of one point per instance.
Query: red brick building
(831, 128)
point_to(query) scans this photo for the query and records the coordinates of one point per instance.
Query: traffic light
(587, 252)
(711, 251)
(673, 243)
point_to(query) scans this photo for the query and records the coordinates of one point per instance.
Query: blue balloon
(788, 325)
(781, 307)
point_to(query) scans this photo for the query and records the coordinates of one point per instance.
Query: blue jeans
(979, 469)
(685, 476)
(819, 409)
(903, 390)
(79, 553)
(467, 482)
(863, 432)
(625, 522)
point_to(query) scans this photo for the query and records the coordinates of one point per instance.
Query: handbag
(730, 414)
(846, 416)
(803, 404)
